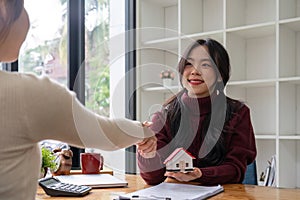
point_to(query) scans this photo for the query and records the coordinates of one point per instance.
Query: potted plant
(48, 161)
(167, 76)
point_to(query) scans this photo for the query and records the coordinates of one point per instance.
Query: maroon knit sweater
(238, 139)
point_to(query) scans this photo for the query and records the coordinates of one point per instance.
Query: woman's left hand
(185, 177)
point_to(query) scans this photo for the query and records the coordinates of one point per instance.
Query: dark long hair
(222, 110)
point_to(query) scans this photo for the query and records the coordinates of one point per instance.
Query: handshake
(147, 147)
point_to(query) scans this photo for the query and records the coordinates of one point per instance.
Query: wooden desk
(134, 183)
(232, 192)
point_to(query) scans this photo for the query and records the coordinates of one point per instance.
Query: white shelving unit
(263, 40)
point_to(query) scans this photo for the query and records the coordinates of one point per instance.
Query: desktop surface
(231, 192)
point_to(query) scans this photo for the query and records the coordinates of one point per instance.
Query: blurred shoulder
(31, 84)
(27, 79)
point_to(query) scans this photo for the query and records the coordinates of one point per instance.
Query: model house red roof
(175, 152)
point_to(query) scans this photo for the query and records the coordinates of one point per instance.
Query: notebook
(93, 180)
(175, 191)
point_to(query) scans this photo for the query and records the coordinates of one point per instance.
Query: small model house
(179, 160)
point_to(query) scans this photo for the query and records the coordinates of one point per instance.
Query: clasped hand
(147, 147)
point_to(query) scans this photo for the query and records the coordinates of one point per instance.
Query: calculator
(54, 187)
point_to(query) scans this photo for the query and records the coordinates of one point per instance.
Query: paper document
(272, 179)
(175, 191)
(93, 180)
(270, 173)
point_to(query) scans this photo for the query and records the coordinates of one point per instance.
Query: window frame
(76, 59)
(76, 69)
(130, 79)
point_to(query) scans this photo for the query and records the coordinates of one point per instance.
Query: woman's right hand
(147, 147)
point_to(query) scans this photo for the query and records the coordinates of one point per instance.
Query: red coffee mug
(91, 163)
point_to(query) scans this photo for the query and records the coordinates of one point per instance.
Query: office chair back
(251, 174)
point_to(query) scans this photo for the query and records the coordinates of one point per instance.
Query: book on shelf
(270, 173)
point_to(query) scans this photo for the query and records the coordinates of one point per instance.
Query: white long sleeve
(35, 109)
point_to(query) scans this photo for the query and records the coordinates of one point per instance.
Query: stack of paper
(175, 191)
(93, 180)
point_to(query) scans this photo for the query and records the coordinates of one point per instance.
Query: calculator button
(82, 189)
(63, 187)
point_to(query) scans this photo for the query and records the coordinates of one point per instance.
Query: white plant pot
(167, 82)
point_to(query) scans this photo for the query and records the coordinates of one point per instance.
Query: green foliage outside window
(97, 55)
(97, 58)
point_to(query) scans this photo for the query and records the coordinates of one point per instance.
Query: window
(45, 48)
(45, 52)
(105, 66)
(97, 75)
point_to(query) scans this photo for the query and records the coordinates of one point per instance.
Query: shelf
(288, 167)
(266, 149)
(265, 137)
(252, 83)
(164, 3)
(293, 24)
(186, 40)
(290, 137)
(250, 55)
(289, 51)
(291, 80)
(162, 89)
(289, 102)
(254, 31)
(197, 16)
(240, 12)
(262, 38)
(218, 34)
(242, 84)
(163, 24)
(165, 43)
(289, 9)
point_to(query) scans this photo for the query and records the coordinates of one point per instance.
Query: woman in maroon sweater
(214, 128)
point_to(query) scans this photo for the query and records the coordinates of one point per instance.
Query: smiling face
(199, 76)
(204, 68)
